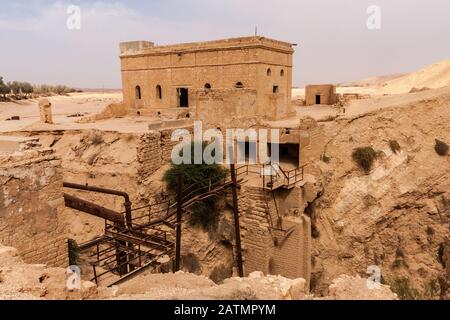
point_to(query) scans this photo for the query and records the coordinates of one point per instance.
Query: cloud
(334, 43)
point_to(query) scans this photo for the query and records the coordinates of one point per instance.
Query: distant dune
(107, 90)
(370, 82)
(434, 76)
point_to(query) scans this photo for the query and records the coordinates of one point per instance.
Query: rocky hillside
(396, 216)
(37, 282)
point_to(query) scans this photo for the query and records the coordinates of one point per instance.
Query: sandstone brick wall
(154, 149)
(31, 200)
(292, 257)
(257, 240)
(327, 93)
(287, 256)
(258, 63)
(312, 141)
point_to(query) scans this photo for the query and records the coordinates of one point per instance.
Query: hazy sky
(334, 43)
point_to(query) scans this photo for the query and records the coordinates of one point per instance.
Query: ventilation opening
(275, 89)
(282, 73)
(318, 100)
(183, 97)
(138, 93)
(239, 85)
(138, 113)
(207, 87)
(158, 92)
(269, 72)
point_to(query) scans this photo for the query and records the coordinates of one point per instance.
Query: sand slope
(436, 75)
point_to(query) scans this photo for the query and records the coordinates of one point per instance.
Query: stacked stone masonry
(269, 250)
(31, 201)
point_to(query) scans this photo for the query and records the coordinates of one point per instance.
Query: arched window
(138, 93)
(269, 72)
(282, 73)
(239, 85)
(158, 92)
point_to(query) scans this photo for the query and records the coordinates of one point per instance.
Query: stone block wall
(31, 201)
(327, 93)
(292, 256)
(154, 150)
(151, 74)
(269, 250)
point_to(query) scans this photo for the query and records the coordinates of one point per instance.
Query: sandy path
(62, 106)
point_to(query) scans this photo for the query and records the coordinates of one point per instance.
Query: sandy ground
(62, 107)
(364, 106)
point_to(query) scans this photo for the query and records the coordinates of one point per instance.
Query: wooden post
(237, 227)
(179, 219)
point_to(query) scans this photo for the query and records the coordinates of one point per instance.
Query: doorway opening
(183, 97)
(289, 154)
(318, 99)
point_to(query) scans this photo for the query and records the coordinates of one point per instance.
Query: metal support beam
(237, 226)
(179, 219)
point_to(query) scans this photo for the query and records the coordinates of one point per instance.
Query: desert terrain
(395, 216)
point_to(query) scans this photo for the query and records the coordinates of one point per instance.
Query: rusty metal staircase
(137, 239)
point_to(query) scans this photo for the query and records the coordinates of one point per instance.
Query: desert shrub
(399, 259)
(402, 287)
(205, 214)
(220, 273)
(73, 251)
(395, 146)
(325, 158)
(441, 148)
(190, 263)
(196, 176)
(97, 138)
(432, 289)
(364, 157)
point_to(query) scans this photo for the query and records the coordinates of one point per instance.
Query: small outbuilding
(320, 94)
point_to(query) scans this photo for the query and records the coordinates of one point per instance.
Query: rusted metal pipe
(92, 208)
(127, 204)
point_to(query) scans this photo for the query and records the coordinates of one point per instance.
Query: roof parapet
(131, 47)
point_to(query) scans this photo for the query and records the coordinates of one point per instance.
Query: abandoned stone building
(320, 94)
(239, 77)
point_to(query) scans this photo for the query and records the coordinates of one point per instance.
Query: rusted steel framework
(140, 238)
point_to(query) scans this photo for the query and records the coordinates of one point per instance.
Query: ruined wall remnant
(312, 140)
(320, 94)
(45, 111)
(154, 150)
(31, 199)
